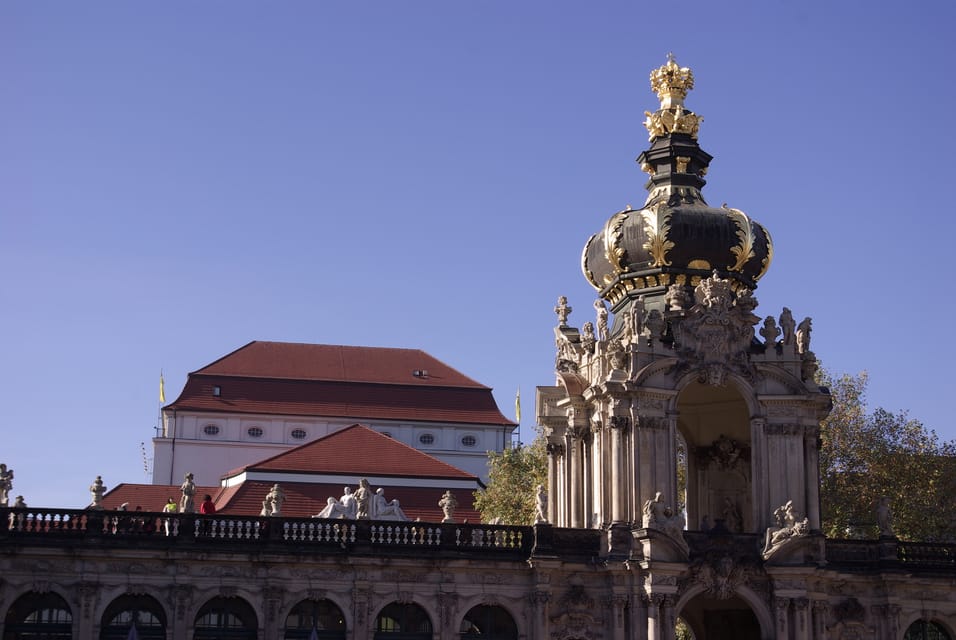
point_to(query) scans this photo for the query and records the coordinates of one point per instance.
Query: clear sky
(180, 178)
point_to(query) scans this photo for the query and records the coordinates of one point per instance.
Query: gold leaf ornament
(656, 227)
(613, 237)
(745, 235)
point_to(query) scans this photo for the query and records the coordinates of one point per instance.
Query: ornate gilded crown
(671, 82)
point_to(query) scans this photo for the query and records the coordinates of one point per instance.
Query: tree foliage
(509, 497)
(866, 456)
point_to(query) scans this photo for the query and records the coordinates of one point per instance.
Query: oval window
(426, 438)
(211, 430)
(298, 434)
(469, 441)
(255, 432)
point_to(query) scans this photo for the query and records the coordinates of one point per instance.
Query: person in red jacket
(208, 506)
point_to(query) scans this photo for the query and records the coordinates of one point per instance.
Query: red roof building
(311, 473)
(269, 397)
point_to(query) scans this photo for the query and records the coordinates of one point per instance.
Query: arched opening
(926, 630)
(139, 617)
(489, 622)
(316, 620)
(403, 622)
(714, 424)
(225, 619)
(706, 618)
(38, 616)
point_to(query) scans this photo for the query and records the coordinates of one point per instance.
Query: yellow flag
(518, 406)
(162, 388)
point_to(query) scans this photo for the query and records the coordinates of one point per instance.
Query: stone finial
(563, 311)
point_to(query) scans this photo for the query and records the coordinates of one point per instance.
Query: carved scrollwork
(716, 334)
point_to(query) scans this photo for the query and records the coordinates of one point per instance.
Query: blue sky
(179, 178)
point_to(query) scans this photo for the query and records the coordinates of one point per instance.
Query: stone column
(759, 486)
(781, 608)
(555, 513)
(576, 446)
(811, 465)
(617, 607)
(669, 617)
(655, 617)
(619, 425)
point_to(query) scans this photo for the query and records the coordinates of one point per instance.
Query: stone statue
(788, 526)
(884, 518)
(383, 509)
(6, 484)
(348, 504)
(788, 325)
(661, 517)
(97, 489)
(186, 503)
(655, 512)
(275, 498)
(563, 311)
(267, 507)
(333, 509)
(803, 336)
(19, 503)
(587, 337)
(363, 500)
(448, 504)
(732, 519)
(540, 505)
(654, 323)
(770, 331)
(602, 332)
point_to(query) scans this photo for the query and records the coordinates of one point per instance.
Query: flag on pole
(518, 406)
(162, 388)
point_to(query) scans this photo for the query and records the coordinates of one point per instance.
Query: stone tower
(688, 410)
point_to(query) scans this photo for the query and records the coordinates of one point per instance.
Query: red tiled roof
(302, 499)
(337, 399)
(297, 361)
(359, 451)
(366, 383)
(151, 497)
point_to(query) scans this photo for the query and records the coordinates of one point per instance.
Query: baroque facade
(682, 499)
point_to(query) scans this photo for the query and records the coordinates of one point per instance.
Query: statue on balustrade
(6, 484)
(383, 509)
(97, 489)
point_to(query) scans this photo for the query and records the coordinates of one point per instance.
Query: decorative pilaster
(820, 610)
(781, 608)
(617, 606)
(801, 619)
(539, 606)
(811, 466)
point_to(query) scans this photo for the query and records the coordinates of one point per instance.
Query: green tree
(864, 457)
(514, 475)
